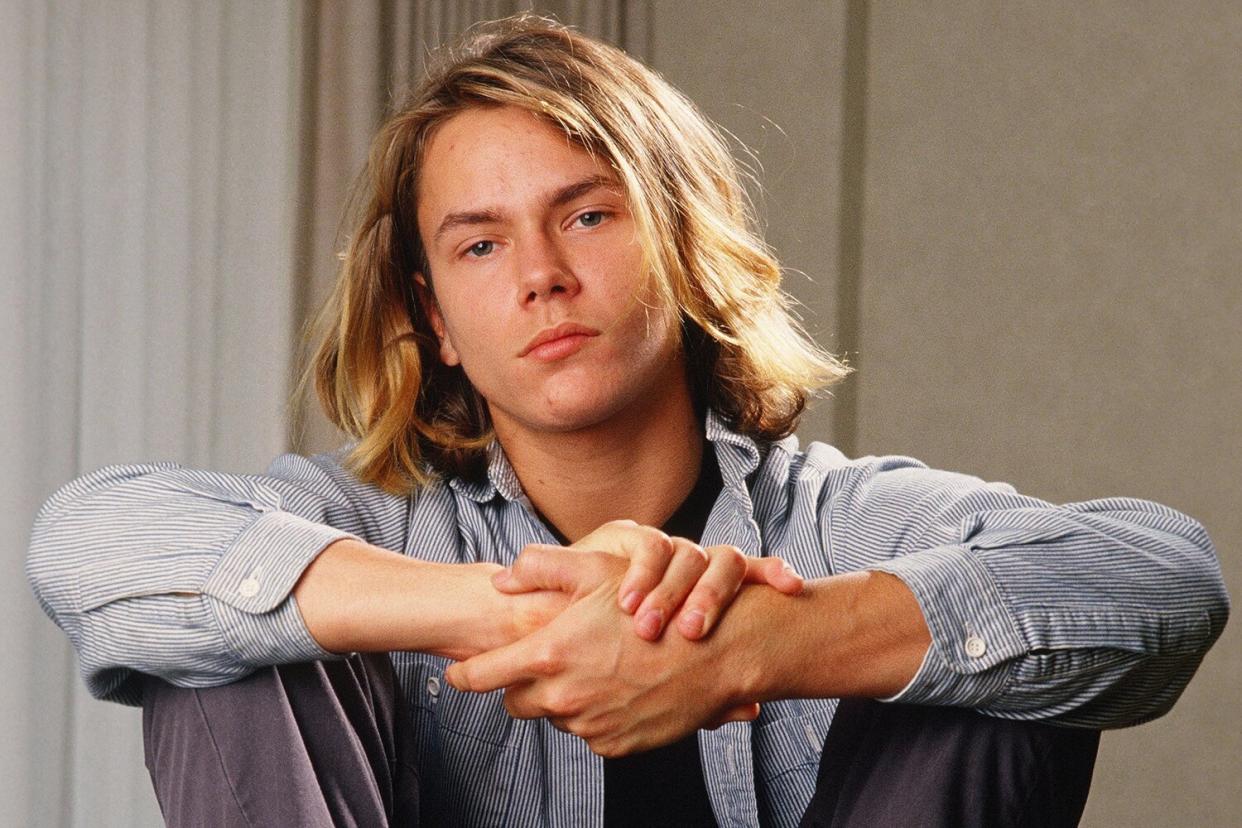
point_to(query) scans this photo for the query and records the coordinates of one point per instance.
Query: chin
(562, 414)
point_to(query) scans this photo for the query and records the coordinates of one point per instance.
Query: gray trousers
(330, 744)
(308, 745)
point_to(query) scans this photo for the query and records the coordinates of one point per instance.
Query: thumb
(775, 573)
(540, 566)
(741, 713)
(494, 669)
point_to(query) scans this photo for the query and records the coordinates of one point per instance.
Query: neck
(639, 465)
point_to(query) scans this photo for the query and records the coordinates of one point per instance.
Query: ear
(448, 354)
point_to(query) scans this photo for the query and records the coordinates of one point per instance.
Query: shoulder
(829, 470)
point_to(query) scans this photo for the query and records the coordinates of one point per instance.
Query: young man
(553, 326)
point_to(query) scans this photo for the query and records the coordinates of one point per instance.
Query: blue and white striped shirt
(1094, 613)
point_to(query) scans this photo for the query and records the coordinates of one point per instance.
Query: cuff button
(248, 588)
(975, 646)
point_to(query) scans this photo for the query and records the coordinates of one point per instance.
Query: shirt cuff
(249, 590)
(975, 641)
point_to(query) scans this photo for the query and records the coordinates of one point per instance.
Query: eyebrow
(557, 198)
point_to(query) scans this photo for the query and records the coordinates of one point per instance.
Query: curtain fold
(147, 234)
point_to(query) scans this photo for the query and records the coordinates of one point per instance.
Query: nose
(544, 273)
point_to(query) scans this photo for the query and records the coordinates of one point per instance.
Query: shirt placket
(726, 754)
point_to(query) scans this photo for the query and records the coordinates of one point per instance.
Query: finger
(687, 566)
(775, 573)
(520, 703)
(524, 660)
(741, 713)
(714, 591)
(543, 566)
(650, 551)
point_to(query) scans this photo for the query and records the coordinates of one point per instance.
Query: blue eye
(591, 219)
(480, 249)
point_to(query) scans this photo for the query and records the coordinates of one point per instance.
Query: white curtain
(148, 223)
(171, 178)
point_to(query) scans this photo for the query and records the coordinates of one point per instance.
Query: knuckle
(692, 556)
(587, 729)
(515, 706)
(547, 659)
(710, 594)
(656, 541)
(606, 747)
(560, 702)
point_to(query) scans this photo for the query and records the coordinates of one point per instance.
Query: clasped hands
(595, 660)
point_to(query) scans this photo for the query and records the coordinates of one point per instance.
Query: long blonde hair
(376, 369)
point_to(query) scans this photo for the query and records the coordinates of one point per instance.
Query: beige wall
(1049, 290)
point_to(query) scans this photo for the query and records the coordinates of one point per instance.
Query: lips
(558, 341)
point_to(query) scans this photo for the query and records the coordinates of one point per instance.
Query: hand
(621, 694)
(665, 576)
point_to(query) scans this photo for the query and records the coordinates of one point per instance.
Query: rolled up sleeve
(1094, 614)
(187, 574)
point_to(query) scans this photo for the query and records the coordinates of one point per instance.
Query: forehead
(488, 156)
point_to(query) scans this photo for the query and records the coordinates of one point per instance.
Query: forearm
(1092, 614)
(359, 597)
(858, 634)
(185, 574)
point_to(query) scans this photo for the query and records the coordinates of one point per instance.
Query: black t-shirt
(665, 786)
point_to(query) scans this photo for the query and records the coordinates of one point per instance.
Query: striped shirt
(1094, 613)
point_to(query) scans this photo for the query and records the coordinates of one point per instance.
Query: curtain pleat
(147, 235)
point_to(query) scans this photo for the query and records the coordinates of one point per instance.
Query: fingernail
(650, 623)
(631, 601)
(692, 622)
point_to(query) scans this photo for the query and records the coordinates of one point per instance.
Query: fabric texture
(316, 745)
(327, 744)
(912, 766)
(1094, 614)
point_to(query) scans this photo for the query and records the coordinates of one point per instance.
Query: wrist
(750, 643)
(463, 614)
(356, 597)
(858, 634)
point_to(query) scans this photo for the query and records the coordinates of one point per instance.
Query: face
(536, 270)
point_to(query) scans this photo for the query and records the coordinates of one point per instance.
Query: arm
(1094, 614)
(624, 694)
(357, 597)
(185, 574)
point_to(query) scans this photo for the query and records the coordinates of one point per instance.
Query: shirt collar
(737, 454)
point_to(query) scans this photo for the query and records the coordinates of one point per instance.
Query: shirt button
(433, 686)
(248, 588)
(975, 646)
